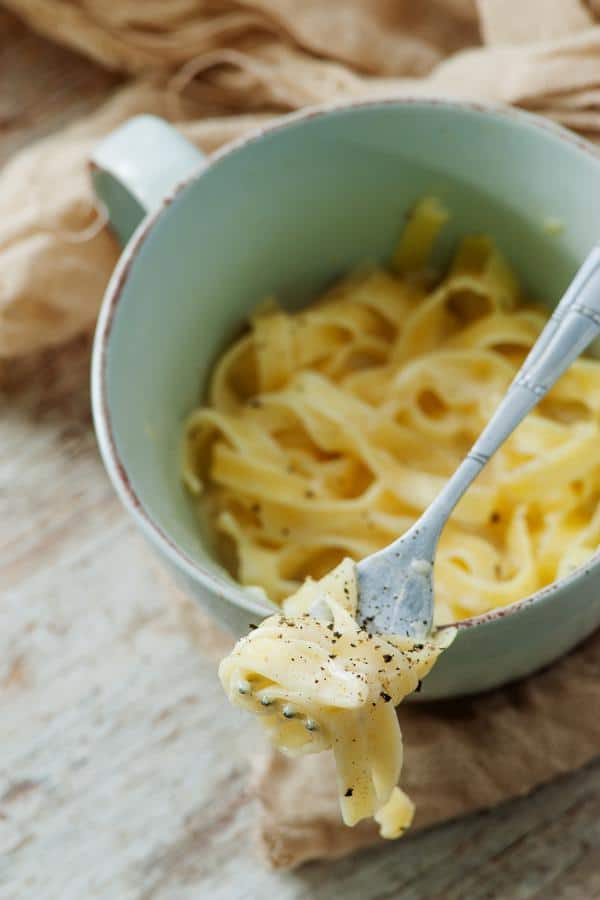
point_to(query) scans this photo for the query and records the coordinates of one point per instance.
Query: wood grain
(122, 772)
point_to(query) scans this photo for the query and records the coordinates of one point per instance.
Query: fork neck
(438, 512)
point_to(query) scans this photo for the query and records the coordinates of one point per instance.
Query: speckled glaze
(285, 212)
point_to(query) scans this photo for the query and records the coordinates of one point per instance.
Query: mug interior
(285, 215)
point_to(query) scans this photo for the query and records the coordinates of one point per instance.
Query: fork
(395, 585)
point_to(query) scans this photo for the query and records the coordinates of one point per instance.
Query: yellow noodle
(317, 681)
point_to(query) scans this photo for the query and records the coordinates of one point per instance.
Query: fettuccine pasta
(328, 431)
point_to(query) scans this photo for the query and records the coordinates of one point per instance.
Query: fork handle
(574, 325)
(571, 295)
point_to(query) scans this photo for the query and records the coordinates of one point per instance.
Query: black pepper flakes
(349, 792)
(387, 657)
(385, 697)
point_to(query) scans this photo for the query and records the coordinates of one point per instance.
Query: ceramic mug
(283, 212)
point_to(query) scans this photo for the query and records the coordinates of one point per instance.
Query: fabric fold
(217, 72)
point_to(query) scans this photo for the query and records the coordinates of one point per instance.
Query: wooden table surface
(122, 771)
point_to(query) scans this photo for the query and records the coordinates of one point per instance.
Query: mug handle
(137, 166)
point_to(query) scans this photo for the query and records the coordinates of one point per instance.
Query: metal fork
(395, 585)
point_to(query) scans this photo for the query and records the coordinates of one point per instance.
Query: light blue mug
(283, 212)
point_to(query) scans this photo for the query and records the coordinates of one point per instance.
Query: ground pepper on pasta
(318, 681)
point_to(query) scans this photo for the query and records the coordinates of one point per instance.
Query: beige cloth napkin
(217, 69)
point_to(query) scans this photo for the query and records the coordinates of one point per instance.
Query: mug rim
(236, 593)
